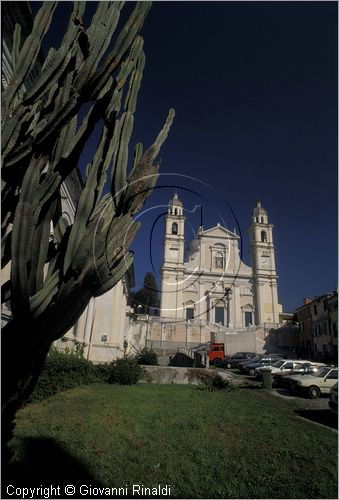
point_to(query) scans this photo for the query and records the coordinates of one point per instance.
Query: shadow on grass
(324, 417)
(43, 462)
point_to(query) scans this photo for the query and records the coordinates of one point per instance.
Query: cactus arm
(89, 195)
(40, 300)
(121, 47)
(119, 271)
(16, 45)
(119, 179)
(135, 81)
(102, 206)
(100, 33)
(22, 234)
(143, 176)
(163, 133)
(119, 167)
(29, 52)
(58, 60)
(40, 246)
(138, 150)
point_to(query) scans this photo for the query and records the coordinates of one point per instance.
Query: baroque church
(211, 283)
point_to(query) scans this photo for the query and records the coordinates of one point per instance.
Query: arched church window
(219, 260)
(262, 220)
(175, 211)
(174, 228)
(263, 237)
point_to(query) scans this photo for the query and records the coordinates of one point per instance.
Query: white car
(281, 366)
(315, 384)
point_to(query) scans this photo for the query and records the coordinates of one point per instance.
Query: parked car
(243, 364)
(232, 361)
(281, 366)
(282, 379)
(333, 402)
(265, 361)
(315, 384)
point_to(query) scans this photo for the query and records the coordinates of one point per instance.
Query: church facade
(211, 283)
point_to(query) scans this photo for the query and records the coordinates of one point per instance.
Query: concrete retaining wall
(174, 375)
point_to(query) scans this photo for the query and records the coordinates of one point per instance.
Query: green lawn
(238, 443)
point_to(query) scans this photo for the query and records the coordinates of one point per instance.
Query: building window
(324, 347)
(263, 237)
(262, 220)
(219, 260)
(189, 313)
(175, 211)
(335, 330)
(219, 315)
(174, 228)
(315, 348)
(248, 318)
(315, 310)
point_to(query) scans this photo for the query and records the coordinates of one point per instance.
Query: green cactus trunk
(55, 274)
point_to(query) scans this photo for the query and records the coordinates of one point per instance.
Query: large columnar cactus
(54, 273)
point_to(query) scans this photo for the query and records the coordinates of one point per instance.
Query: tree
(147, 296)
(55, 272)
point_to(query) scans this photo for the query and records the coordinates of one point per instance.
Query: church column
(232, 312)
(89, 321)
(237, 312)
(258, 304)
(228, 309)
(275, 302)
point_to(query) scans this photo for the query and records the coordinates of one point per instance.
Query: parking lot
(314, 410)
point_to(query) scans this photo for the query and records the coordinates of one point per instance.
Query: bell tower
(265, 278)
(172, 271)
(174, 232)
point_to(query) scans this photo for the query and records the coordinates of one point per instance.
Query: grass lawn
(238, 443)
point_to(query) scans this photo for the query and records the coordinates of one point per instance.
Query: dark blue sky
(254, 85)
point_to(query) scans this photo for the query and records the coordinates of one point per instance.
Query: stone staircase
(166, 337)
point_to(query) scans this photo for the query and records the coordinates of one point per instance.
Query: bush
(64, 370)
(147, 357)
(211, 381)
(125, 371)
(101, 373)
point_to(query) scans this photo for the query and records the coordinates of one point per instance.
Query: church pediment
(220, 232)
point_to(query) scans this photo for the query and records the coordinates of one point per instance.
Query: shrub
(125, 371)
(211, 381)
(147, 357)
(101, 373)
(66, 370)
